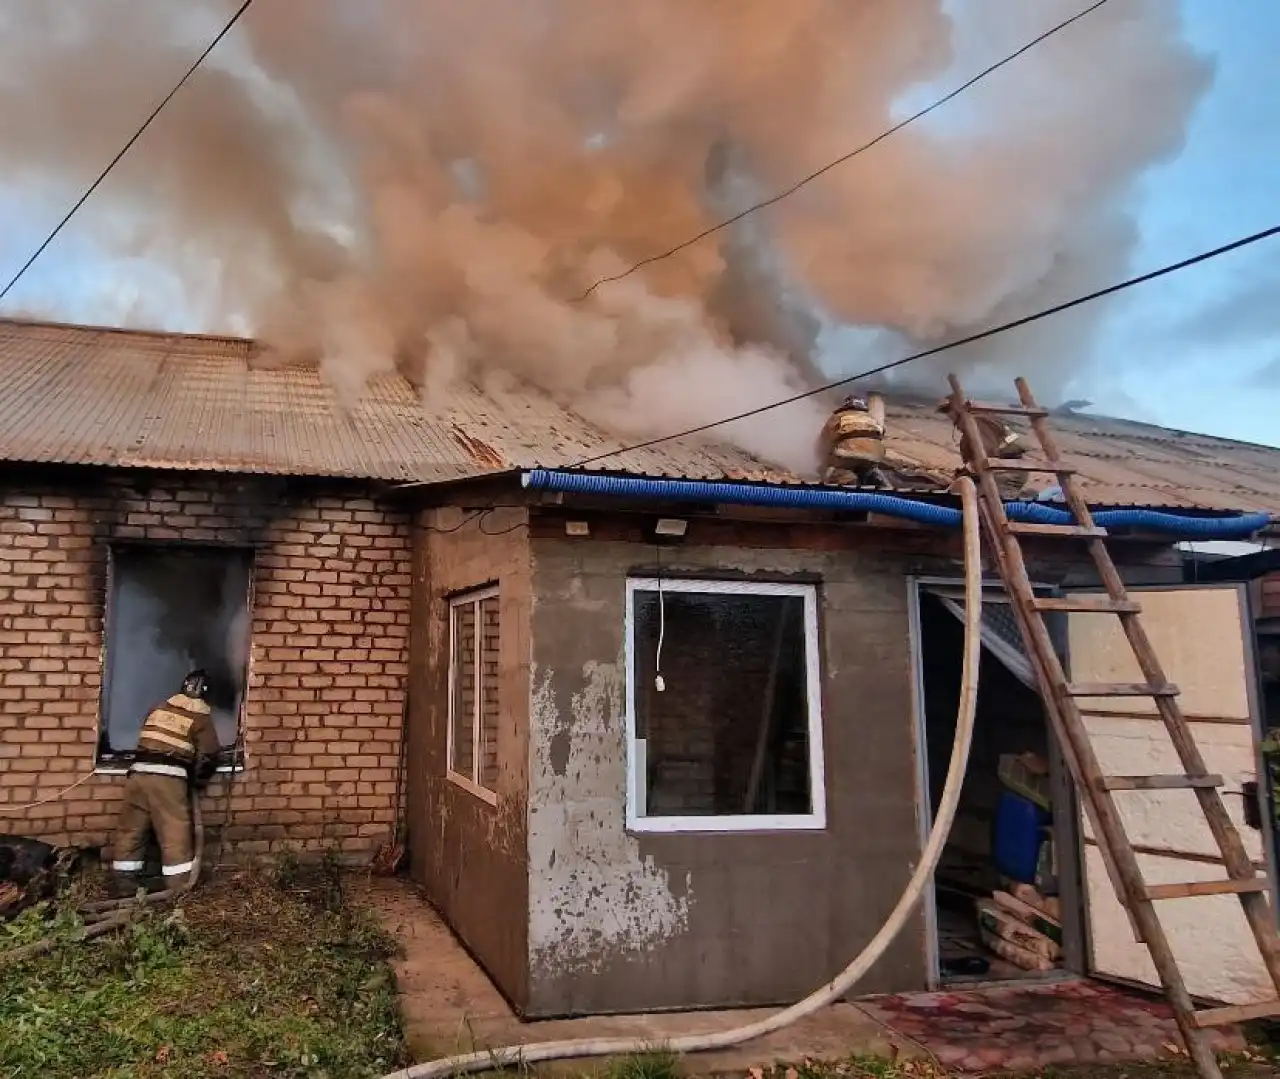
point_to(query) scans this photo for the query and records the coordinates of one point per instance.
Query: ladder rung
(1120, 689)
(1191, 889)
(1022, 528)
(1097, 604)
(1235, 1013)
(983, 409)
(1160, 783)
(995, 464)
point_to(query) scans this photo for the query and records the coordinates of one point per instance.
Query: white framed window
(724, 707)
(474, 635)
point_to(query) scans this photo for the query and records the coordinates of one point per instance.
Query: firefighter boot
(125, 885)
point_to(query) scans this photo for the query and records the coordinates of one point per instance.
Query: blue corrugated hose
(825, 498)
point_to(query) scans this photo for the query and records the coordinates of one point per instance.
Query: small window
(473, 692)
(724, 707)
(170, 610)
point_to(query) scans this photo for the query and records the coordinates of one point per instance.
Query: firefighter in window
(177, 748)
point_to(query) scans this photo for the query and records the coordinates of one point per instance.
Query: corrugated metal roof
(1119, 462)
(85, 395)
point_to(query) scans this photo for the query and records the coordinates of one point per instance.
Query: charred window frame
(157, 626)
(475, 628)
(733, 739)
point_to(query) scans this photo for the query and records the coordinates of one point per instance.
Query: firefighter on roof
(177, 748)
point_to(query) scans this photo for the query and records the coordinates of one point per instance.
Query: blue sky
(1199, 350)
(1193, 350)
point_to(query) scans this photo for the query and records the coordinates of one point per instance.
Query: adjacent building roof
(93, 396)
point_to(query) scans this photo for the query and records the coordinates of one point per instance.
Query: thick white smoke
(430, 184)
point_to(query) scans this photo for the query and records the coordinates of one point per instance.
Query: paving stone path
(1025, 1028)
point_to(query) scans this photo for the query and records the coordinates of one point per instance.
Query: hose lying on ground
(100, 906)
(105, 915)
(494, 1059)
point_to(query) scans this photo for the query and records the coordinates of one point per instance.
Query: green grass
(278, 975)
(251, 978)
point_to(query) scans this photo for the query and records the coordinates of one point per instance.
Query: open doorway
(1001, 907)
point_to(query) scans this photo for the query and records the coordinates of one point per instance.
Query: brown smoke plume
(429, 183)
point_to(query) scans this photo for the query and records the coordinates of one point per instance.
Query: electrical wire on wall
(659, 683)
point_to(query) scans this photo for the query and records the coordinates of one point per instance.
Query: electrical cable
(499, 531)
(983, 335)
(789, 191)
(466, 520)
(226, 29)
(523, 1055)
(659, 683)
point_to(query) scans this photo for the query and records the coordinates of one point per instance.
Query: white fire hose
(834, 990)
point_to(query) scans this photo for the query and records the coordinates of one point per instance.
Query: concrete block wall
(623, 921)
(328, 664)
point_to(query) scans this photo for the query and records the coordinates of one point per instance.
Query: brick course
(328, 664)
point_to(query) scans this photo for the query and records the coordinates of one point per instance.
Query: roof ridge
(129, 331)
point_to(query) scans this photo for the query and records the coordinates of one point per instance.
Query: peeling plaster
(592, 896)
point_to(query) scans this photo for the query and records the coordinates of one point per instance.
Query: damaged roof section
(83, 395)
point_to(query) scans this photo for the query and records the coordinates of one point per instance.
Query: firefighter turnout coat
(177, 742)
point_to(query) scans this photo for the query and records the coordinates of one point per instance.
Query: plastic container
(1017, 837)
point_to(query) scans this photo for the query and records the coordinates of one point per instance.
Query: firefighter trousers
(158, 802)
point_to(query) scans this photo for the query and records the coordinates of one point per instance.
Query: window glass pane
(729, 736)
(463, 706)
(489, 693)
(173, 609)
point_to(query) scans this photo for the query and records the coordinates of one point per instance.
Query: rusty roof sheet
(86, 395)
(1119, 462)
(95, 396)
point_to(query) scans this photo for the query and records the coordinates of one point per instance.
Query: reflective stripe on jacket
(181, 729)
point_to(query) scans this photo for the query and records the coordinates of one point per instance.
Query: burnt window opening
(725, 706)
(474, 640)
(170, 610)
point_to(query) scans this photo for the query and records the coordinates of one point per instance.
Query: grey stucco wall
(622, 922)
(469, 855)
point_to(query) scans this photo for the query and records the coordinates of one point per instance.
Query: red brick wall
(328, 663)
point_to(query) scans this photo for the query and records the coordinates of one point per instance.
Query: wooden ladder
(1060, 697)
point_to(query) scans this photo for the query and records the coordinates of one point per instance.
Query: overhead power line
(124, 149)
(789, 191)
(983, 335)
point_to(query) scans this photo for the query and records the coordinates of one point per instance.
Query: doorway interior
(1005, 895)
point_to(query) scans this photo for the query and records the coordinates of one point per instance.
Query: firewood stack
(1022, 926)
